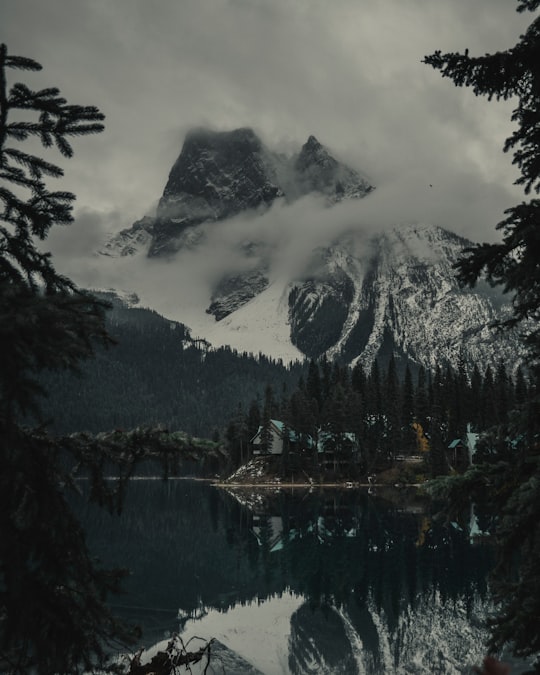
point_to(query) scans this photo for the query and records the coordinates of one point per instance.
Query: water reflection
(350, 582)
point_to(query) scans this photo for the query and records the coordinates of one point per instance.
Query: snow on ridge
(261, 325)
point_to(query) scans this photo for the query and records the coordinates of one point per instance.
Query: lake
(300, 581)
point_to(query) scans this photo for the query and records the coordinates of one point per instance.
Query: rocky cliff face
(357, 298)
(222, 174)
(402, 298)
(216, 176)
(317, 171)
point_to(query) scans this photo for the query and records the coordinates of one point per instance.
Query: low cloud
(85, 235)
(282, 239)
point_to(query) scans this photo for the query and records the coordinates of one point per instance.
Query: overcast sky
(347, 71)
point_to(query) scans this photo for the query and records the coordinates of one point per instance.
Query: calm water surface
(297, 581)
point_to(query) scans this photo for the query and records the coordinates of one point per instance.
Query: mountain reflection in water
(297, 581)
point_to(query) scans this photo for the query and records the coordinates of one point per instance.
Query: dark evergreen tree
(504, 75)
(393, 404)
(447, 399)
(436, 431)
(356, 422)
(359, 380)
(335, 417)
(304, 420)
(488, 415)
(326, 378)
(313, 384)
(375, 422)
(53, 594)
(237, 435)
(254, 418)
(521, 390)
(46, 322)
(503, 394)
(287, 430)
(407, 413)
(266, 423)
(421, 398)
(475, 398)
(513, 263)
(459, 412)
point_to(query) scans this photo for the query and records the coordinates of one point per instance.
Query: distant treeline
(390, 414)
(158, 375)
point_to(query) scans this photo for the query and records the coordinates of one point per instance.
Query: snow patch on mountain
(260, 325)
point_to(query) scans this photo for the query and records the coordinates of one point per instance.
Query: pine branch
(21, 62)
(35, 165)
(528, 5)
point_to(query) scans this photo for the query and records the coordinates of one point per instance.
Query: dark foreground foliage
(54, 616)
(509, 480)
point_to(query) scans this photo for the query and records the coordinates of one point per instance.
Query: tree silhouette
(512, 482)
(503, 75)
(54, 616)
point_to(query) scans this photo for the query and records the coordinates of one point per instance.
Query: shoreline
(345, 486)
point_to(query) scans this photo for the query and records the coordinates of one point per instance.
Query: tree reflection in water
(375, 573)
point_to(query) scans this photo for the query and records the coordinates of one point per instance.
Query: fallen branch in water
(168, 661)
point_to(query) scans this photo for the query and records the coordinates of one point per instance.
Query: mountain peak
(318, 171)
(203, 137)
(313, 153)
(312, 142)
(219, 174)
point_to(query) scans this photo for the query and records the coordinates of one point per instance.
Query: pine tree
(504, 393)
(407, 413)
(254, 418)
(335, 421)
(266, 422)
(475, 405)
(304, 421)
(394, 436)
(359, 380)
(313, 383)
(55, 324)
(461, 417)
(489, 418)
(421, 398)
(521, 393)
(53, 594)
(237, 435)
(514, 482)
(436, 424)
(375, 416)
(504, 75)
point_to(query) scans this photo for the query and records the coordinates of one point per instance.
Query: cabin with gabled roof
(277, 436)
(460, 451)
(335, 448)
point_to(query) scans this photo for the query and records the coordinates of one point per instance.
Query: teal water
(297, 581)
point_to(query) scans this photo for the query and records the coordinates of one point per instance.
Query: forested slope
(158, 375)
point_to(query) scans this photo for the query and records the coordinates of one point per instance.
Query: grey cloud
(85, 235)
(348, 72)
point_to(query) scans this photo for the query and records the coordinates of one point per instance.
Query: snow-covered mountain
(404, 298)
(354, 293)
